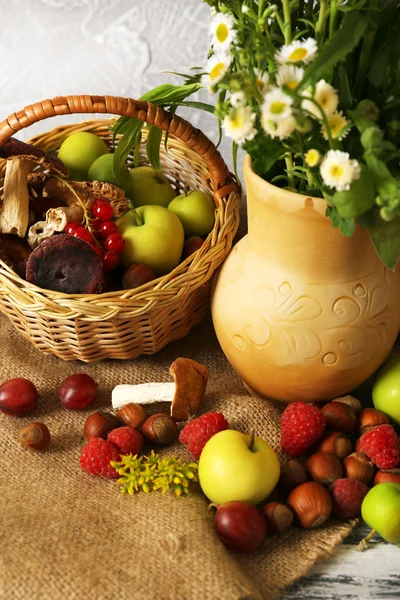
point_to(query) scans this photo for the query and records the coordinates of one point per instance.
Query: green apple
(102, 170)
(386, 389)
(230, 468)
(78, 151)
(381, 510)
(150, 187)
(196, 211)
(156, 241)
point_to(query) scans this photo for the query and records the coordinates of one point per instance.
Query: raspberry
(301, 426)
(347, 496)
(382, 446)
(96, 457)
(126, 439)
(197, 433)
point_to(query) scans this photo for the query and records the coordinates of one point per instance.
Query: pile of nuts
(309, 486)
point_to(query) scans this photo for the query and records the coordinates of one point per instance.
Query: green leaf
(346, 226)
(166, 93)
(346, 99)
(200, 105)
(235, 148)
(126, 143)
(343, 42)
(385, 236)
(153, 147)
(264, 152)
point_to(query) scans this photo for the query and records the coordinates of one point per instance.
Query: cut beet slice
(65, 264)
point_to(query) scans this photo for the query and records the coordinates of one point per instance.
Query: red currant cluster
(101, 233)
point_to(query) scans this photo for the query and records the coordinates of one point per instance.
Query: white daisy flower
(312, 157)
(327, 98)
(338, 171)
(277, 106)
(298, 51)
(337, 123)
(245, 9)
(262, 81)
(289, 76)
(222, 30)
(280, 129)
(217, 66)
(238, 99)
(239, 124)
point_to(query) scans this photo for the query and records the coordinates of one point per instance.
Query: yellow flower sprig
(150, 473)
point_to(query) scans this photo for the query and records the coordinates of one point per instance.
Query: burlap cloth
(65, 535)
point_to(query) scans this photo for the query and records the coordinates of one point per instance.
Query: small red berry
(98, 251)
(302, 425)
(96, 457)
(107, 228)
(83, 233)
(70, 228)
(197, 432)
(102, 209)
(126, 439)
(110, 260)
(114, 242)
(95, 224)
(382, 446)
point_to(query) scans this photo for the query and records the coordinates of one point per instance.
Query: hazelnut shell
(35, 436)
(337, 443)
(160, 429)
(279, 517)
(293, 473)
(358, 466)
(132, 414)
(339, 417)
(311, 503)
(99, 424)
(324, 468)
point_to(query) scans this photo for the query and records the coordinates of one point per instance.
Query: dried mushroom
(65, 264)
(15, 148)
(56, 220)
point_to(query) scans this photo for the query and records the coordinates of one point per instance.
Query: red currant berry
(98, 251)
(70, 228)
(83, 233)
(114, 242)
(102, 209)
(110, 260)
(107, 228)
(95, 224)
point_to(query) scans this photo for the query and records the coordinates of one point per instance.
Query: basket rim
(226, 197)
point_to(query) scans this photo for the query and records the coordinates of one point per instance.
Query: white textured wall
(117, 47)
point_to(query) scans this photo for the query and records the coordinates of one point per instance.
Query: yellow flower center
(312, 158)
(277, 107)
(298, 54)
(336, 125)
(236, 121)
(292, 85)
(221, 32)
(336, 171)
(217, 71)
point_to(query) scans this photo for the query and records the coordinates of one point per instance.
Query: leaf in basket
(153, 147)
(343, 42)
(166, 93)
(126, 143)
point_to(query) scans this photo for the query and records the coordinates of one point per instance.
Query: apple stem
(251, 444)
(138, 220)
(363, 545)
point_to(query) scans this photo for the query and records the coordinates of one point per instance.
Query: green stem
(287, 25)
(365, 55)
(324, 119)
(332, 18)
(320, 26)
(289, 167)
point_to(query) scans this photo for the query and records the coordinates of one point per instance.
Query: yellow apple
(196, 212)
(78, 151)
(230, 470)
(155, 241)
(149, 186)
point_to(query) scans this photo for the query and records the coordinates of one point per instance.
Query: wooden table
(352, 575)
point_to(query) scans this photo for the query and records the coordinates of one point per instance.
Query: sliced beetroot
(65, 264)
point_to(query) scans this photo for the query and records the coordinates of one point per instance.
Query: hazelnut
(132, 414)
(339, 417)
(371, 417)
(354, 403)
(324, 468)
(358, 466)
(293, 473)
(311, 503)
(35, 436)
(160, 429)
(384, 475)
(99, 424)
(136, 275)
(191, 245)
(357, 446)
(279, 517)
(337, 443)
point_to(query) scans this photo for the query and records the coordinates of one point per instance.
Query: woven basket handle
(144, 111)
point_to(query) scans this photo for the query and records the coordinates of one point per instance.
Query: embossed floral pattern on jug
(301, 311)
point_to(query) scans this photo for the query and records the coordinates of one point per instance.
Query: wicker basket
(125, 324)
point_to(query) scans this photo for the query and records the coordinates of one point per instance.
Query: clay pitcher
(302, 312)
